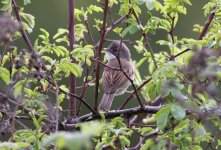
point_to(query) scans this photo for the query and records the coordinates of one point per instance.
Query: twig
(21, 107)
(125, 41)
(172, 28)
(131, 95)
(74, 95)
(156, 132)
(207, 24)
(72, 88)
(146, 42)
(114, 68)
(23, 33)
(83, 91)
(98, 54)
(56, 109)
(89, 32)
(131, 81)
(202, 34)
(113, 25)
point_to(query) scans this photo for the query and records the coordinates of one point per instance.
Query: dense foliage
(180, 105)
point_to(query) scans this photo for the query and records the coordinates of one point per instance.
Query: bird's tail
(106, 102)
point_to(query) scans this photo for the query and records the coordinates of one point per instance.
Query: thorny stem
(72, 88)
(23, 33)
(98, 54)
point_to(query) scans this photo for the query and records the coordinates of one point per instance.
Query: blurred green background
(53, 14)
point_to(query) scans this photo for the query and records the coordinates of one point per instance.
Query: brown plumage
(114, 81)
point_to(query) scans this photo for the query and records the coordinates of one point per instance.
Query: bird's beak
(105, 49)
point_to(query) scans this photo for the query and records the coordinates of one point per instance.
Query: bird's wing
(114, 80)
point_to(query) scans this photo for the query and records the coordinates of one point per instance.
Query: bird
(115, 82)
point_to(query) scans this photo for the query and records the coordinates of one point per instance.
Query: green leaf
(92, 8)
(44, 32)
(162, 116)
(178, 112)
(26, 2)
(68, 67)
(131, 29)
(187, 2)
(124, 141)
(181, 126)
(150, 4)
(5, 75)
(18, 88)
(7, 4)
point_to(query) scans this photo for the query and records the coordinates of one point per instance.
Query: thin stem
(89, 32)
(75, 96)
(155, 133)
(131, 95)
(146, 42)
(172, 28)
(102, 63)
(56, 109)
(21, 107)
(98, 55)
(23, 33)
(72, 88)
(207, 24)
(202, 34)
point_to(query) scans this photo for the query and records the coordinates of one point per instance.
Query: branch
(98, 55)
(172, 28)
(23, 33)
(207, 24)
(145, 38)
(202, 34)
(75, 96)
(21, 107)
(156, 132)
(113, 25)
(84, 88)
(132, 83)
(72, 88)
(89, 32)
(114, 68)
(127, 113)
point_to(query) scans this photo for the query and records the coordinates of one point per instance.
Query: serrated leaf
(178, 112)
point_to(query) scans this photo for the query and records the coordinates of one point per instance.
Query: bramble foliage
(182, 85)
